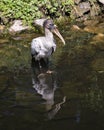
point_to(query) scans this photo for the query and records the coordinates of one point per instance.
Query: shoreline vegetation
(29, 10)
(84, 34)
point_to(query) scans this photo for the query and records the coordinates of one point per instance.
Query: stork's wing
(38, 49)
(35, 47)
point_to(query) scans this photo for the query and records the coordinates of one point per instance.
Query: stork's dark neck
(48, 34)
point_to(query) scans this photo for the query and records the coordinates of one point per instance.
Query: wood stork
(43, 47)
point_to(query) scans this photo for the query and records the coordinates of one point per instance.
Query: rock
(77, 1)
(39, 22)
(4, 20)
(83, 18)
(2, 27)
(91, 22)
(95, 10)
(75, 27)
(85, 6)
(82, 8)
(94, 29)
(17, 27)
(101, 1)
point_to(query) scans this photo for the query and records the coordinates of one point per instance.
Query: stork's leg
(44, 62)
(40, 64)
(45, 66)
(35, 62)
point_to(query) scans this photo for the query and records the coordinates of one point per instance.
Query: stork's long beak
(56, 31)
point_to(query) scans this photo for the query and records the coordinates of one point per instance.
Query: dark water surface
(72, 98)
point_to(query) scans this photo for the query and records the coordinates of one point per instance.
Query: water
(69, 98)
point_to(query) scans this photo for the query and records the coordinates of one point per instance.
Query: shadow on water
(69, 98)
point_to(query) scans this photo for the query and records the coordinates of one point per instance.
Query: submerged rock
(98, 41)
(95, 26)
(99, 37)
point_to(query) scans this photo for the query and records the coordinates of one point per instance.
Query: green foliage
(21, 9)
(27, 10)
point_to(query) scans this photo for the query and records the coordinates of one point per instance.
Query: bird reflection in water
(45, 85)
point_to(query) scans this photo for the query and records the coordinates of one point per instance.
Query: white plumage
(43, 47)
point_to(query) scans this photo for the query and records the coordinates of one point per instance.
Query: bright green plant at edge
(27, 10)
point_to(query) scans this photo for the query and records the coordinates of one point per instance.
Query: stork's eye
(51, 24)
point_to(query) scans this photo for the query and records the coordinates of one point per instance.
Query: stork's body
(43, 47)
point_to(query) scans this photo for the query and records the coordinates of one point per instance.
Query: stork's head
(48, 24)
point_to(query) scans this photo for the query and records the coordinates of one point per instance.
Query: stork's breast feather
(35, 45)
